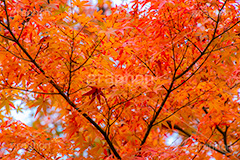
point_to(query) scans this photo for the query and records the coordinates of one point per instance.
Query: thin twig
(204, 144)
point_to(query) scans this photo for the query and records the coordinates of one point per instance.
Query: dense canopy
(117, 82)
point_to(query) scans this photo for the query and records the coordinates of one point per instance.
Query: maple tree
(117, 83)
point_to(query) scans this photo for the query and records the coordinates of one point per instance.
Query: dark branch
(146, 66)
(71, 103)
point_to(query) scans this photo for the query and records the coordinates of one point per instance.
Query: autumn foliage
(116, 82)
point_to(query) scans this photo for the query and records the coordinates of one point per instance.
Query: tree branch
(71, 103)
(224, 133)
(146, 66)
(187, 104)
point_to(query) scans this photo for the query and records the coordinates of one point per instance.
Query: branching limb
(146, 66)
(6, 37)
(23, 26)
(192, 73)
(61, 92)
(234, 142)
(14, 53)
(89, 55)
(224, 133)
(187, 104)
(207, 14)
(202, 52)
(151, 124)
(176, 127)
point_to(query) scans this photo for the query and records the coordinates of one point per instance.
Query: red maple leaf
(94, 92)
